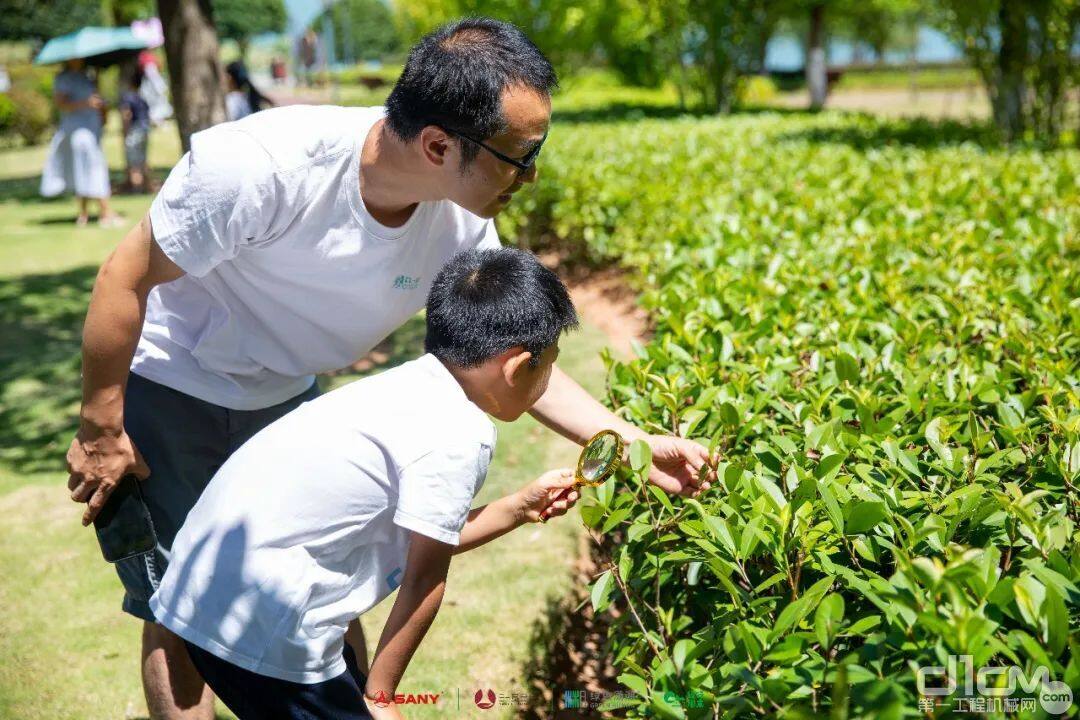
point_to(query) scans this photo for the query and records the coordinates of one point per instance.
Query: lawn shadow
(568, 650)
(26, 188)
(64, 219)
(41, 320)
(21, 189)
(871, 132)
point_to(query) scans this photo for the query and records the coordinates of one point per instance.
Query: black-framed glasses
(523, 164)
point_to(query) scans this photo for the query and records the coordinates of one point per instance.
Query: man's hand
(547, 496)
(96, 461)
(677, 465)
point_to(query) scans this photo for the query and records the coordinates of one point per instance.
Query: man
(287, 244)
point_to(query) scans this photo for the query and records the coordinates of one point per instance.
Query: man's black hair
(485, 302)
(454, 78)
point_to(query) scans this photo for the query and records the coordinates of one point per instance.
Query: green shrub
(7, 114)
(875, 326)
(33, 115)
(32, 77)
(755, 90)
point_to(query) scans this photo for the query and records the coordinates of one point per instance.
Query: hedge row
(875, 325)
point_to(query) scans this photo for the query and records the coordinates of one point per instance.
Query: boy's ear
(515, 360)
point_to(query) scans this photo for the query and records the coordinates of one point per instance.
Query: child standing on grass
(366, 489)
(135, 117)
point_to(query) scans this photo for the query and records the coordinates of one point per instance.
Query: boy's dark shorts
(257, 697)
(184, 441)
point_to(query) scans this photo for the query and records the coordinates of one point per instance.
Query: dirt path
(603, 298)
(955, 104)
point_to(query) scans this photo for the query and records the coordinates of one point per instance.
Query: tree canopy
(35, 20)
(240, 19)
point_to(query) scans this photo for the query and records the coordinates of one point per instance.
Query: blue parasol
(97, 45)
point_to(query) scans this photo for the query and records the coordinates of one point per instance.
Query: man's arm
(414, 610)
(570, 411)
(101, 452)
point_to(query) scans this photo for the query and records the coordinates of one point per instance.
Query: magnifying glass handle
(563, 494)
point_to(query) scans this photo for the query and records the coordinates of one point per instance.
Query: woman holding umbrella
(76, 163)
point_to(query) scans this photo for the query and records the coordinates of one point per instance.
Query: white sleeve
(219, 197)
(489, 239)
(435, 493)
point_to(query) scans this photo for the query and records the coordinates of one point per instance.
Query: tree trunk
(1009, 98)
(816, 77)
(191, 48)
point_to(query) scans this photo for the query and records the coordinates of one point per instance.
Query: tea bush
(875, 326)
(33, 115)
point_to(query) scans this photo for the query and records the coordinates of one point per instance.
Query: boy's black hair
(485, 302)
(454, 78)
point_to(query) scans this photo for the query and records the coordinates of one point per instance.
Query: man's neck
(391, 180)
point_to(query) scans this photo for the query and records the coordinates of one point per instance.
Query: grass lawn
(68, 650)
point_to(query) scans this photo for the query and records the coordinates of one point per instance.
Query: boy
(326, 511)
(135, 116)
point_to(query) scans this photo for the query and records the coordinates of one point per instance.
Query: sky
(301, 12)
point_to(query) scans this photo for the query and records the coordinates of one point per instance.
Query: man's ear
(515, 360)
(435, 144)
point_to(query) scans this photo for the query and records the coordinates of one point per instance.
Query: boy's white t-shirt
(287, 274)
(306, 526)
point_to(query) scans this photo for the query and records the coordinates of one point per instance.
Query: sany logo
(478, 698)
(1054, 695)
(383, 699)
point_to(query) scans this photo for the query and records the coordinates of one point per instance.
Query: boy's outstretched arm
(417, 603)
(526, 505)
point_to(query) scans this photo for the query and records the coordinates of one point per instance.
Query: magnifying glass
(598, 461)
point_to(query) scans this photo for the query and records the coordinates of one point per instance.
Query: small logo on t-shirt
(404, 282)
(394, 578)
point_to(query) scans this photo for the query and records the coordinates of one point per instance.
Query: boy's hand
(535, 500)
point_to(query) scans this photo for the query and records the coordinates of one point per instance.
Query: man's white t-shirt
(307, 525)
(287, 274)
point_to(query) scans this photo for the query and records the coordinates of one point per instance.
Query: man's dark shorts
(184, 441)
(257, 697)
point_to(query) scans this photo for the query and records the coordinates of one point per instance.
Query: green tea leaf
(865, 516)
(601, 591)
(847, 368)
(640, 456)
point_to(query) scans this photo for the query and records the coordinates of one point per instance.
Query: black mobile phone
(124, 528)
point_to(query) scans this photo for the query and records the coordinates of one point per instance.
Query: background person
(308, 50)
(154, 89)
(135, 121)
(75, 163)
(242, 98)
